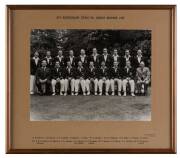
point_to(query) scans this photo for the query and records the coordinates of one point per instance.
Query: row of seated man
(81, 77)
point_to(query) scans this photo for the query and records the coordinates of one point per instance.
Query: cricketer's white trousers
(32, 83)
(66, 84)
(132, 85)
(81, 83)
(54, 82)
(100, 85)
(119, 83)
(88, 82)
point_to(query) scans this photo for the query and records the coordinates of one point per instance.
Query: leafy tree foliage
(53, 40)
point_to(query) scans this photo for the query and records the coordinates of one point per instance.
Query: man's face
(82, 52)
(44, 63)
(115, 64)
(115, 52)
(36, 54)
(68, 64)
(57, 65)
(103, 64)
(60, 53)
(105, 50)
(139, 53)
(91, 64)
(128, 64)
(142, 64)
(127, 53)
(71, 53)
(48, 54)
(79, 63)
(94, 50)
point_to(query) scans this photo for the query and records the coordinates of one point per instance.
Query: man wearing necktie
(57, 77)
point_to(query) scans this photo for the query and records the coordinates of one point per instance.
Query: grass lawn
(54, 108)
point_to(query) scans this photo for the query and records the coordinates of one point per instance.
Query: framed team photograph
(91, 79)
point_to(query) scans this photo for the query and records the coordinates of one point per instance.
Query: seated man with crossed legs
(80, 81)
(69, 78)
(128, 78)
(57, 77)
(143, 78)
(43, 75)
(116, 77)
(91, 78)
(104, 76)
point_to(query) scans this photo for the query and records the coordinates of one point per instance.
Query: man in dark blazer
(91, 77)
(104, 77)
(60, 58)
(49, 59)
(95, 58)
(71, 58)
(83, 58)
(80, 78)
(127, 57)
(106, 58)
(34, 65)
(116, 77)
(69, 78)
(138, 58)
(43, 76)
(128, 75)
(117, 58)
(57, 77)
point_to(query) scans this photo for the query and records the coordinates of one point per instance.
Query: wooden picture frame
(10, 93)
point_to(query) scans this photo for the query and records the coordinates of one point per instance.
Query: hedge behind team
(89, 73)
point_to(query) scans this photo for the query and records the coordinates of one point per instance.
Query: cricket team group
(96, 74)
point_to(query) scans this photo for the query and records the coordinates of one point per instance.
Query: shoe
(95, 93)
(119, 93)
(72, 93)
(132, 94)
(88, 93)
(61, 93)
(84, 93)
(53, 94)
(65, 94)
(124, 94)
(112, 94)
(76, 93)
(31, 93)
(107, 93)
(100, 93)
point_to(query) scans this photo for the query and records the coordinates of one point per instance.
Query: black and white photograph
(90, 75)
